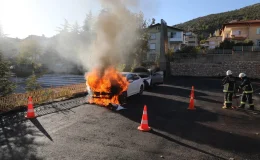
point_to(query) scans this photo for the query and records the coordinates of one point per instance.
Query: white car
(136, 86)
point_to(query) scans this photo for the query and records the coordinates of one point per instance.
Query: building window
(152, 46)
(258, 31)
(153, 36)
(172, 35)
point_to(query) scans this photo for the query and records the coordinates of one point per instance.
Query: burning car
(112, 87)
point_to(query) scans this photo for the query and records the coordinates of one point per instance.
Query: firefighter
(229, 88)
(247, 94)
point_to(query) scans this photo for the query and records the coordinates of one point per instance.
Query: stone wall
(217, 65)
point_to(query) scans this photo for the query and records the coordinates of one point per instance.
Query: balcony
(239, 35)
(176, 39)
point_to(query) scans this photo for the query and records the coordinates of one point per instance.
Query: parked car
(145, 75)
(135, 87)
(151, 77)
(157, 76)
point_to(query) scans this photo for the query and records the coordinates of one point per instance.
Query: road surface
(77, 131)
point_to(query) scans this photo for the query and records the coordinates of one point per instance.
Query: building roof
(213, 38)
(159, 24)
(235, 22)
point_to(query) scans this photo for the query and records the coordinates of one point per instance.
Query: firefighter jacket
(229, 83)
(246, 85)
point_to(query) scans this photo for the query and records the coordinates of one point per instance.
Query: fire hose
(236, 96)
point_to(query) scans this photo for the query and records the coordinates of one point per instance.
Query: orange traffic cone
(192, 92)
(30, 110)
(191, 106)
(144, 123)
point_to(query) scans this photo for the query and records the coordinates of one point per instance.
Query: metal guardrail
(14, 101)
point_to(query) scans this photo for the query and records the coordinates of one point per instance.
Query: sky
(20, 18)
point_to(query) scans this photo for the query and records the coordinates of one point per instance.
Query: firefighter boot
(228, 105)
(251, 107)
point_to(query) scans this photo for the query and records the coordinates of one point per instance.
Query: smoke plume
(116, 35)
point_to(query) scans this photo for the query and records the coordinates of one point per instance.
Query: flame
(109, 83)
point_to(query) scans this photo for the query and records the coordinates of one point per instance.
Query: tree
(227, 44)
(6, 86)
(32, 84)
(153, 21)
(30, 51)
(75, 28)
(88, 22)
(141, 48)
(65, 28)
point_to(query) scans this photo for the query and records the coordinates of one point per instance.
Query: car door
(131, 85)
(158, 77)
(137, 82)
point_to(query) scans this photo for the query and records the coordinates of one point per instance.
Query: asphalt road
(77, 131)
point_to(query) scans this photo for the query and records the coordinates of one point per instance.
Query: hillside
(208, 24)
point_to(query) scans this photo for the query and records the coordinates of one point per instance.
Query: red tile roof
(243, 22)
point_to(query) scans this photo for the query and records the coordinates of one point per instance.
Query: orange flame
(111, 82)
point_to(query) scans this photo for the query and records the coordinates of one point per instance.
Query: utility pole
(164, 62)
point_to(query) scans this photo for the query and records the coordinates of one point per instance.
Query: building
(191, 39)
(175, 40)
(242, 30)
(213, 42)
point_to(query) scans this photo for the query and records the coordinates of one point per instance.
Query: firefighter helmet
(229, 72)
(241, 75)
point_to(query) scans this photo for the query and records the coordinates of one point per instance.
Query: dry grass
(14, 101)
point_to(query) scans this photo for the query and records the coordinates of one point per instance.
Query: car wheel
(141, 90)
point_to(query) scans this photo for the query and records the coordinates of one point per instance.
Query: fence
(13, 101)
(247, 48)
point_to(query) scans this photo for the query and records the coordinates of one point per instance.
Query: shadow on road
(182, 92)
(183, 144)
(40, 127)
(174, 118)
(17, 138)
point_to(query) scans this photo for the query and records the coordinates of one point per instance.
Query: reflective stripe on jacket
(229, 84)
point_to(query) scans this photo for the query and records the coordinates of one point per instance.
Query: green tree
(141, 48)
(32, 84)
(30, 52)
(215, 21)
(6, 86)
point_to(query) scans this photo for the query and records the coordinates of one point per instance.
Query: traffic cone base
(142, 129)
